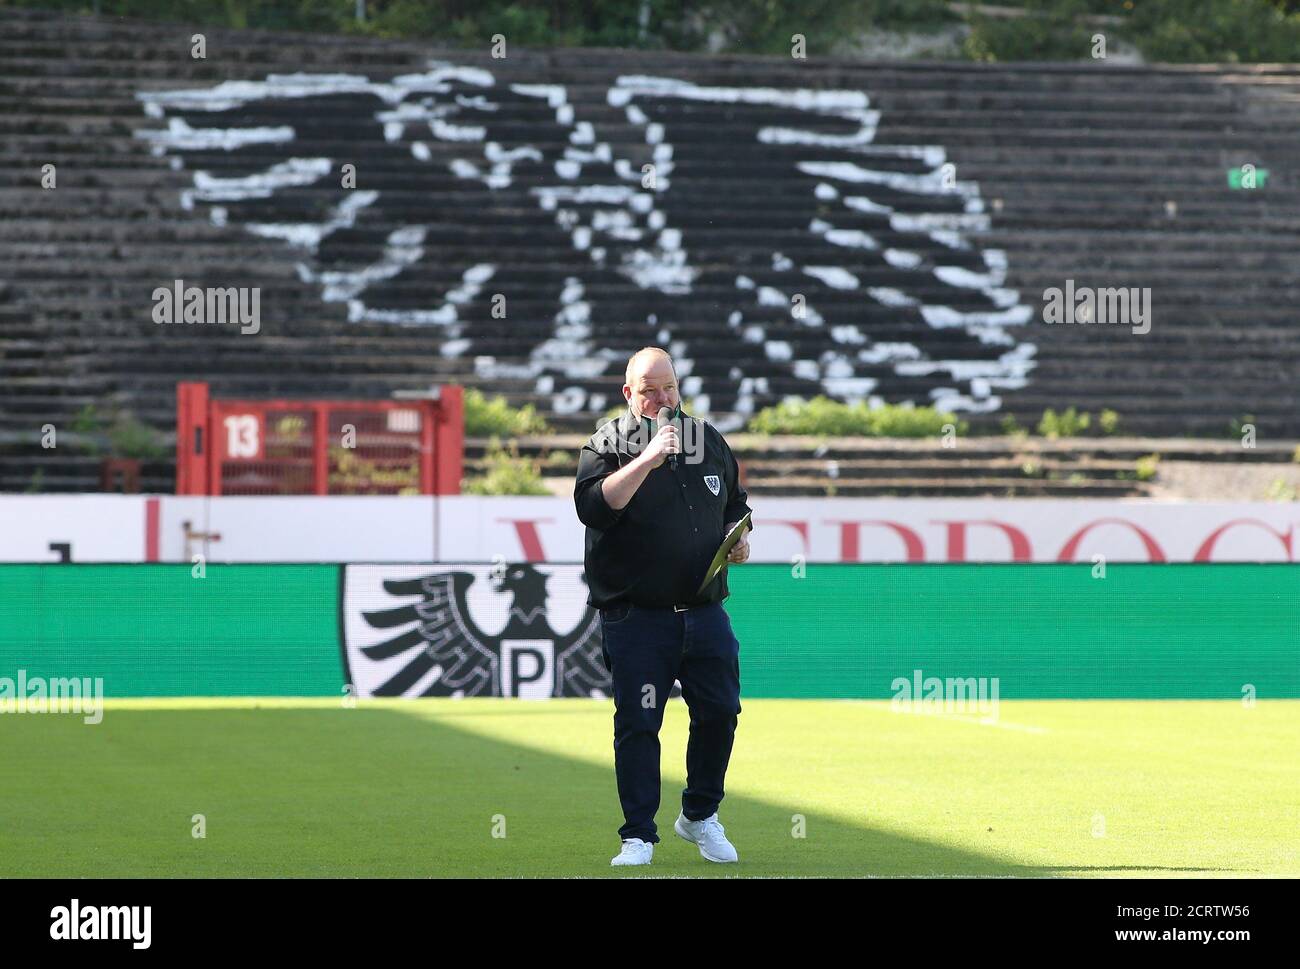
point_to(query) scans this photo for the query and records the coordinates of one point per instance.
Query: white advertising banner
(78, 528)
(107, 528)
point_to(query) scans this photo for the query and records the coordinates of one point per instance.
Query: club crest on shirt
(712, 483)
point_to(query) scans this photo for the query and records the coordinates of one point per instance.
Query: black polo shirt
(654, 551)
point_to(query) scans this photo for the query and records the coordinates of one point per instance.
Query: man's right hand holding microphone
(666, 443)
(620, 486)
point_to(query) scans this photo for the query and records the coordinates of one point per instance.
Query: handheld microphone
(666, 418)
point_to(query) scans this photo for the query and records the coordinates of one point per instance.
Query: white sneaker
(708, 835)
(635, 852)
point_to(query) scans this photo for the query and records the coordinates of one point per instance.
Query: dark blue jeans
(645, 650)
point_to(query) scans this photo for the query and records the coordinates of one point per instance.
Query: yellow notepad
(720, 558)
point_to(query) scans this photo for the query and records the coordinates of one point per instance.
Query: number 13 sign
(243, 436)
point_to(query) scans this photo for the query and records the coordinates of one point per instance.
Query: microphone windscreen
(666, 418)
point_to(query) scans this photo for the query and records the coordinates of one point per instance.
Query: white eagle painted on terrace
(824, 262)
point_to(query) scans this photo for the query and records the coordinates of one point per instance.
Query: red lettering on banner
(799, 526)
(1203, 553)
(152, 514)
(1020, 550)
(529, 540)
(849, 539)
(1153, 549)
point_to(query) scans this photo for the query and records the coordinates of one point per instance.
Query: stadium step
(1062, 189)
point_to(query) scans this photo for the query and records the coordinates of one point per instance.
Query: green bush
(131, 438)
(1068, 423)
(910, 14)
(824, 416)
(751, 26)
(1164, 30)
(117, 433)
(1108, 421)
(1170, 31)
(484, 417)
(1146, 467)
(1050, 32)
(1279, 490)
(87, 426)
(507, 474)
(1237, 426)
(1202, 31)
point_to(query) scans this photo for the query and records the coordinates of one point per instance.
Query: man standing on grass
(656, 512)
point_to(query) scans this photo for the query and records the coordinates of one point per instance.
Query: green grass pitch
(419, 788)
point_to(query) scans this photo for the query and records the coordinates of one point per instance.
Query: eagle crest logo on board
(469, 630)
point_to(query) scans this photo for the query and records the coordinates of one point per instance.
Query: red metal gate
(318, 447)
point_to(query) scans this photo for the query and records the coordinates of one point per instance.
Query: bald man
(657, 503)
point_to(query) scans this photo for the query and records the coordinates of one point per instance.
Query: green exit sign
(1247, 176)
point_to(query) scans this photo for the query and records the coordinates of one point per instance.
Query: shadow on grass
(376, 793)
